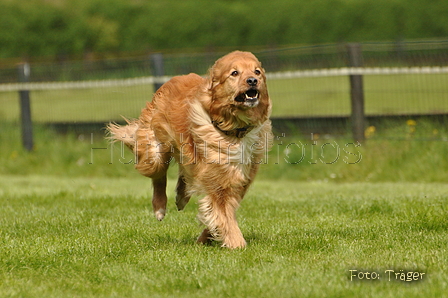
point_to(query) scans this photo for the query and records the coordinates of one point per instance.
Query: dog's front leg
(218, 212)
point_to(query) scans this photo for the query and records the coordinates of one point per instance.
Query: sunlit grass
(96, 237)
(394, 151)
(76, 220)
(79, 105)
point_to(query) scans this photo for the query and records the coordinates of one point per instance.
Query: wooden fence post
(157, 67)
(356, 92)
(25, 108)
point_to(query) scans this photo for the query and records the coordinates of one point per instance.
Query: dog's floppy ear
(213, 78)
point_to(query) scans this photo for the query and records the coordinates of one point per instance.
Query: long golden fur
(218, 130)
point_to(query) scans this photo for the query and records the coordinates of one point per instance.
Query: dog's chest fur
(211, 149)
(213, 146)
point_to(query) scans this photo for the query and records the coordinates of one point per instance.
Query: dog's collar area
(237, 132)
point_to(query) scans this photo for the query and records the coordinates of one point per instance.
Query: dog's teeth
(251, 97)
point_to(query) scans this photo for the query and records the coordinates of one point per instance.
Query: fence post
(356, 92)
(157, 67)
(25, 108)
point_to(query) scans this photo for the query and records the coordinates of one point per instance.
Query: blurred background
(65, 29)
(87, 62)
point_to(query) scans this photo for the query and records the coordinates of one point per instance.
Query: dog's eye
(257, 72)
(234, 73)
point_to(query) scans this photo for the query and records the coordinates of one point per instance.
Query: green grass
(395, 152)
(96, 237)
(384, 94)
(77, 221)
(83, 105)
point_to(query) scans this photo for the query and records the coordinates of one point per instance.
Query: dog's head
(238, 90)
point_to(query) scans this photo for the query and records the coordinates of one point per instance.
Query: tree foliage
(67, 27)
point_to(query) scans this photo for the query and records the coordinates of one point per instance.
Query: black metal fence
(378, 54)
(410, 80)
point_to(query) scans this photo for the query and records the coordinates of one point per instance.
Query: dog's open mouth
(248, 98)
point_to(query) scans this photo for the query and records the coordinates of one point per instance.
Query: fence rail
(312, 81)
(312, 73)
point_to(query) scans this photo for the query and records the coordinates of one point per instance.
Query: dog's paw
(160, 214)
(205, 237)
(234, 243)
(181, 202)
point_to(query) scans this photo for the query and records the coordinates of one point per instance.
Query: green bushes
(49, 28)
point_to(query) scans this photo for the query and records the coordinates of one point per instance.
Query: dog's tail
(125, 133)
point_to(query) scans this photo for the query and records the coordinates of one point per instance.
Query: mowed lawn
(303, 97)
(96, 237)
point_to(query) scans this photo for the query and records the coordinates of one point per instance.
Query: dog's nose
(252, 82)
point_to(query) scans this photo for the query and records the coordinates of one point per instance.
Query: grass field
(96, 237)
(76, 221)
(394, 152)
(326, 96)
(384, 94)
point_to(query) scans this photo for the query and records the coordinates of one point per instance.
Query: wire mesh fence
(401, 78)
(380, 54)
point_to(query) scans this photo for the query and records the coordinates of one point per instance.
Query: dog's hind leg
(182, 196)
(159, 198)
(154, 164)
(157, 173)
